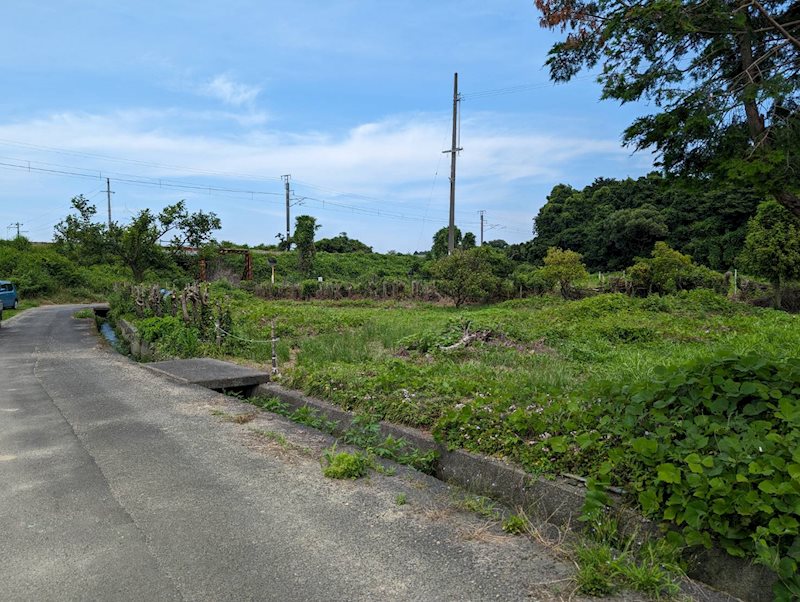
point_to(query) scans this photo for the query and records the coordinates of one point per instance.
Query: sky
(212, 102)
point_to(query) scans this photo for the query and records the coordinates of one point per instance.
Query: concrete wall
(140, 349)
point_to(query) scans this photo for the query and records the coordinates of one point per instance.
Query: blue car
(8, 295)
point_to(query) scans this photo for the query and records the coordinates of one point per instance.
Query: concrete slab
(210, 373)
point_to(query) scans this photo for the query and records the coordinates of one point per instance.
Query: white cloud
(392, 161)
(223, 88)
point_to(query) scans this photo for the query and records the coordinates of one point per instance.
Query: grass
(344, 465)
(386, 358)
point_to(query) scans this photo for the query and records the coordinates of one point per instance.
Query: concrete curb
(558, 501)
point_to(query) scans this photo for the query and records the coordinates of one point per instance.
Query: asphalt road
(119, 484)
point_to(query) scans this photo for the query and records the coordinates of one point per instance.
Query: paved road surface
(118, 484)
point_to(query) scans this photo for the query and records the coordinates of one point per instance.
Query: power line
(515, 89)
(135, 180)
(64, 151)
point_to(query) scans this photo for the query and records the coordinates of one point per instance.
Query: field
(408, 363)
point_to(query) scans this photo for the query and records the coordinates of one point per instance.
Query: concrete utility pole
(109, 193)
(288, 193)
(482, 212)
(454, 149)
(16, 225)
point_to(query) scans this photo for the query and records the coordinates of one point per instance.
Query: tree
(439, 248)
(668, 271)
(304, 228)
(136, 244)
(772, 246)
(468, 242)
(724, 75)
(465, 276)
(632, 233)
(342, 244)
(564, 267)
(611, 222)
(80, 238)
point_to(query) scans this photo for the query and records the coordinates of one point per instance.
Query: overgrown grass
(530, 379)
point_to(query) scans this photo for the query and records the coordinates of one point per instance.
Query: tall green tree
(305, 227)
(136, 244)
(723, 75)
(439, 248)
(772, 246)
(79, 237)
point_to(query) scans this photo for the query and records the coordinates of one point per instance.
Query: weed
(401, 499)
(344, 465)
(278, 438)
(481, 505)
(365, 432)
(310, 417)
(608, 562)
(515, 525)
(83, 314)
(270, 404)
(598, 570)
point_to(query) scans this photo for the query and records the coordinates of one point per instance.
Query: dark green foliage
(342, 244)
(712, 446)
(611, 222)
(468, 241)
(469, 276)
(171, 335)
(79, 237)
(42, 271)
(722, 77)
(531, 280)
(440, 242)
(304, 230)
(134, 245)
(772, 246)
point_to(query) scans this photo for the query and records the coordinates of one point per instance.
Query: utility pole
(454, 149)
(16, 225)
(109, 193)
(288, 193)
(482, 212)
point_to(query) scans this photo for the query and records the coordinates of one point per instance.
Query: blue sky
(212, 102)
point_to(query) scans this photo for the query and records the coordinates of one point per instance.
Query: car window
(5, 287)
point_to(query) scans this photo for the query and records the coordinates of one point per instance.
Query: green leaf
(644, 446)
(649, 501)
(669, 473)
(767, 487)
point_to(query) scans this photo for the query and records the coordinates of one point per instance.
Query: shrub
(531, 280)
(171, 336)
(564, 268)
(668, 271)
(466, 276)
